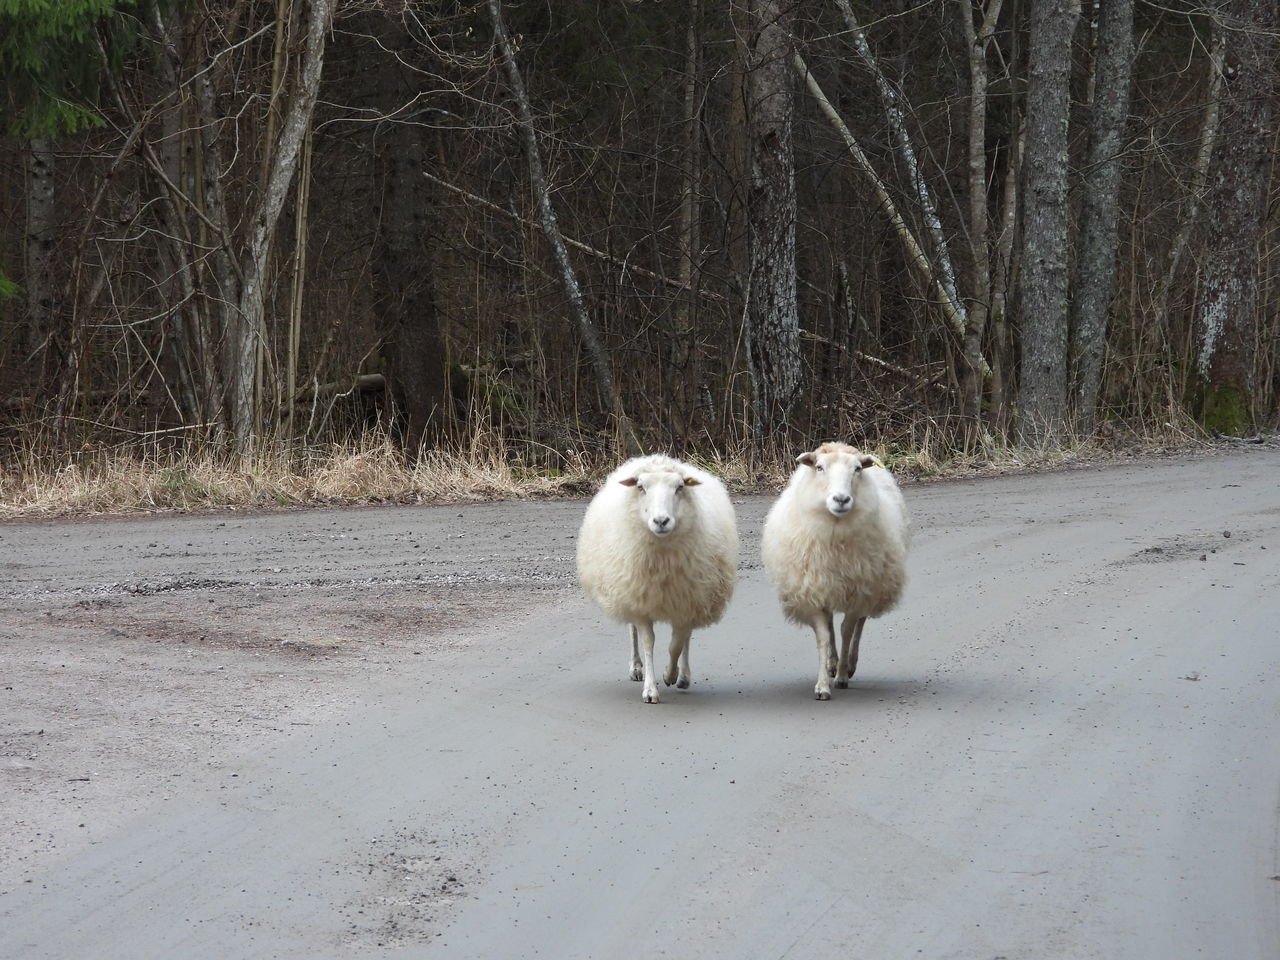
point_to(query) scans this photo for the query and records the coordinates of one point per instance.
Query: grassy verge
(116, 480)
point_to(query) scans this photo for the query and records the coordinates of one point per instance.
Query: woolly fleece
(855, 564)
(685, 578)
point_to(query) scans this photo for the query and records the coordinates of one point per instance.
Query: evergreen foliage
(52, 57)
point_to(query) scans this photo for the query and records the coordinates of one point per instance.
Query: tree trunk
(895, 113)
(1227, 316)
(773, 320)
(977, 39)
(1042, 397)
(243, 355)
(1096, 264)
(686, 356)
(1003, 271)
(403, 278)
(1199, 177)
(42, 289)
(188, 182)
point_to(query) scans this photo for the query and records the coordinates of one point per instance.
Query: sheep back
(855, 565)
(686, 578)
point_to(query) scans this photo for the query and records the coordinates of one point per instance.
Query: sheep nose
(840, 499)
(662, 522)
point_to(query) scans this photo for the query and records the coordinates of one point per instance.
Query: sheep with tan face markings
(659, 544)
(836, 542)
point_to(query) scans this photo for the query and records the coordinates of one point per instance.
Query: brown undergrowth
(147, 479)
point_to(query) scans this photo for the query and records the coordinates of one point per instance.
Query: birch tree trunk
(551, 227)
(977, 39)
(1199, 178)
(896, 114)
(1227, 315)
(1096, 263)
(916, 257)
(1042, 396)
(773, 321)
(242, 375)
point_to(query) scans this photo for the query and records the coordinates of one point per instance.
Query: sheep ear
(808, 459)
(629, 482)
(691, 481)
(870, 461)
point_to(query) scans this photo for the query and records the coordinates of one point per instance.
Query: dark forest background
(596, 225)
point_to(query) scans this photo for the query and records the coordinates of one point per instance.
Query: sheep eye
(819, 468)
(640, 487)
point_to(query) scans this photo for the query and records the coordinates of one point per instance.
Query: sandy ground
(390, 730)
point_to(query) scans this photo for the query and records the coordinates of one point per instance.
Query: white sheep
(659, 543)
(836, 542)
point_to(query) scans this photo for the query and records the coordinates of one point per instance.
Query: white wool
(685, 578)
(659, 544)
(853, 564)
(822, 564)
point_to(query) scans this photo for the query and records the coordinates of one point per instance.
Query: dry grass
(130, 479)
(134, 479)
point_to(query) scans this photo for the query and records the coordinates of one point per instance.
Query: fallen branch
(364, 383)
(915, 253)
(882, 364)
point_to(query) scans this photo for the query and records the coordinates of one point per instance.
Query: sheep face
(832, 476)
(659, 497)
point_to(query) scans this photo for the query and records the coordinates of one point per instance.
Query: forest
(572, 229)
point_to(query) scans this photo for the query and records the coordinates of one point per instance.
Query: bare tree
(550, 224)
(248, 320)
(978, 39)
(1096, 261)
(685, 352)
(916, 256)
(403, 276)
(1042, 397)
(43, 300)
(1228, 310)
(773, 321)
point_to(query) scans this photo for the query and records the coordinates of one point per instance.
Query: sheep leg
(831, 649)
(637, 665)
(822, 633)
(850, 638)
(650, 692)
(679, 654)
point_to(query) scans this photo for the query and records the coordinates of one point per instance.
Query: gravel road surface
(401, 732)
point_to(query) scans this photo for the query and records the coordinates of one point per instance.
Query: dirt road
(401, 732)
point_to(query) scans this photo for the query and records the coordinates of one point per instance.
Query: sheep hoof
(669, 677)
(842, 684)
(651, 698)
(683, 683)
(637, 671)
(822, 694)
